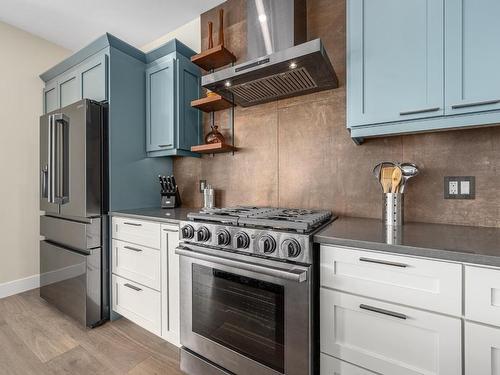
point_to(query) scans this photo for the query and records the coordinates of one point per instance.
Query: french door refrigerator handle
(60, 125)
(50, 166)
(298, 275)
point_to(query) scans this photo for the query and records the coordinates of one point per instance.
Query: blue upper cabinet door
(160, 106)
(69, 91)
(395, 60)
(93, 77)
(189, 127)
(472, 56)
(50, 97)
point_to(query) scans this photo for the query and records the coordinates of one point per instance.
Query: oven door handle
(297, 274)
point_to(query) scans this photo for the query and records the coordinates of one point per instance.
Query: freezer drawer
(78, 235)
(71, 281)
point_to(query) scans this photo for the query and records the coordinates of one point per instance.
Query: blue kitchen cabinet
(395, 60)
(421, 65)
(87, 79)
(172, 125)
(472, 56)
(160, 106)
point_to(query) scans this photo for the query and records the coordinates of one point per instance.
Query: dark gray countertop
(476, 245)
(167, 215)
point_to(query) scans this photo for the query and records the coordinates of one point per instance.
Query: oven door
(247, 315)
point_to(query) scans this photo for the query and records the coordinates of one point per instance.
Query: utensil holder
(393, 209)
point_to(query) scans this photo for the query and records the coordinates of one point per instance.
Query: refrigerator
(74, 269)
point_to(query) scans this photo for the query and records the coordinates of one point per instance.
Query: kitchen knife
(161, 183)
(165, 183)
(174, 183)
(169, 182)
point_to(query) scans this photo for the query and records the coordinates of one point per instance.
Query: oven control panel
(262, 242)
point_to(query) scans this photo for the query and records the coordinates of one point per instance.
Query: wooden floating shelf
(212, 103)
(214, 58)
(213, 148)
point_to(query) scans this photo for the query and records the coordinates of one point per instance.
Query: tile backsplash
(297, 152)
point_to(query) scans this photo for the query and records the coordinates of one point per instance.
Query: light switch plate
(459, 187)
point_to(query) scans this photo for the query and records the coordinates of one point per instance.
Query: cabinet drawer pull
(384, 262)
(383, 311)
(170, 144)
(133, 287)
(171, 230)
(475, 104)
(133, 224)
(132, 248)
(417, 111)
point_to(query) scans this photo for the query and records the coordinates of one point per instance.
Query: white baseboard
(18, 286)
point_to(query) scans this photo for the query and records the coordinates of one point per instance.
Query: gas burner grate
(298, 220)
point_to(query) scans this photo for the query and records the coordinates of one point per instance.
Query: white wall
(189, 34)
(23, 57)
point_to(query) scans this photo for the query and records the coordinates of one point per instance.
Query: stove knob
(267, 244)
(223, 237)
(187, 231)
(291, 248)
(242, 240)
(203, 234)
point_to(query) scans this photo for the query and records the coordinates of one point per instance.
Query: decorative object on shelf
(211, 94)
(393, 178)
(221, 27)
(170, 197)
(210, 35)
(214, 136)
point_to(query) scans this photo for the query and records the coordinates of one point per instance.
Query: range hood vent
(277, 85)
(281, 63)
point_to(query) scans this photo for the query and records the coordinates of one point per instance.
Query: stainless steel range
(247, 291)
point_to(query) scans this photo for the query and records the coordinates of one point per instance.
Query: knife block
(170, 199)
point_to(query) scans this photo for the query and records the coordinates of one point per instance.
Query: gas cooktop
(289, 219)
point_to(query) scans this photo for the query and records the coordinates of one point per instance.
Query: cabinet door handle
(132, 248)
(133, 287)
(383, 311)
(475, 104)
(170, 230)
(417, 111)
(384, 262)
(133, 224)
(170, 144)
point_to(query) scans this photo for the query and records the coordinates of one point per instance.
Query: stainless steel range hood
(280, 63)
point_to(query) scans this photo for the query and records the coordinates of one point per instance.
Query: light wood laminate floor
(35, 338)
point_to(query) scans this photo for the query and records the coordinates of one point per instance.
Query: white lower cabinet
(482, 295)
(333, 366)
(137, 303)
(389, 339)
(170, 293)
(145, 276)
(482, 349)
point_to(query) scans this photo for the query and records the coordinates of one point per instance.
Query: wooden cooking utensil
(397, 176)
(210, 35)
(386, 178)
(221, 27)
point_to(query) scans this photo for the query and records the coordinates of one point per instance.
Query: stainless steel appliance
(73, 170)
(247, 291)
(280, 62)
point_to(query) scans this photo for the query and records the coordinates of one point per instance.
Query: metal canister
(208, 197)
(393, 209)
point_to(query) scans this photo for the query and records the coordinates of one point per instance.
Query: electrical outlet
(453, 187)
(460, 187)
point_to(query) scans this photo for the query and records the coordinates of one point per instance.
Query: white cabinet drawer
(426, 284)
(482, 350)
(140, 232)
(482, 295)
(333, 366)
(389, 339)
(137, 303)
(137, 263)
